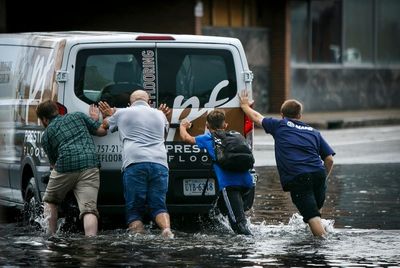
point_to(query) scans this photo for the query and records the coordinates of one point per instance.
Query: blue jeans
(145, 184)
(308, 194)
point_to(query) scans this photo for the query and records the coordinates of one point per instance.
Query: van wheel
(33, 208)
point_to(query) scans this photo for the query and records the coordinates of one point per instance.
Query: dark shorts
(145, 185)
(308, 193)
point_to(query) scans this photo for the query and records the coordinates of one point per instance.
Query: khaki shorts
(85, 185)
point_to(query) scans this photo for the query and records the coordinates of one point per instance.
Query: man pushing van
(70, 148)
(142, 130)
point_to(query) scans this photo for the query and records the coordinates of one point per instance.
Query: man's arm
(254, 116)
(328, 163)
(101, 131)
(186, 137)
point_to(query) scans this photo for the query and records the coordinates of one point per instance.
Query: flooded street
(362, 212)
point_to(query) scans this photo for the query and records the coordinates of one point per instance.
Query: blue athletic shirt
(299, 148)
(225, 178)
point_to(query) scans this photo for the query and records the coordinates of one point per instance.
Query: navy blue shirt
(225, 178)
(299, 148)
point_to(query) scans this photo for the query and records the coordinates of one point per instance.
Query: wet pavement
(363, 196)
(367, 145)
(361, 212)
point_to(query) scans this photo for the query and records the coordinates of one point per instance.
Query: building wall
(157, 16)
(3, 26)
(344, 61)
(274, 15)
(346, 89)
(255, 42)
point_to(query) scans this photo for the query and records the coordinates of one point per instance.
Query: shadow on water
(362, 202)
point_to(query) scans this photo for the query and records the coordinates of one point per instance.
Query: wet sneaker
(243, 229)
(166, 233)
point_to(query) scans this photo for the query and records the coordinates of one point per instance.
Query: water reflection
(363, 204)
(278, 245)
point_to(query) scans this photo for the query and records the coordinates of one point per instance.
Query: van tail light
(154, 37)
(248, 125)
(62, 110)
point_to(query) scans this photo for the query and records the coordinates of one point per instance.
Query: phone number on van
(109, 148)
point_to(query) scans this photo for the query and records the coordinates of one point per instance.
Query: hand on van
(94, 112)
(186, 123)
(106, 109)
(245, 104)
(165, 109)
(185, 136)
(244, 98)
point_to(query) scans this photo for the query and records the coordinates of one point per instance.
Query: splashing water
(290, 244)
(281, 238)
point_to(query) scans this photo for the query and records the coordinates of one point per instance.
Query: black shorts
(308, 193)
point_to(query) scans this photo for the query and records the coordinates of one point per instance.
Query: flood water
(362, 213)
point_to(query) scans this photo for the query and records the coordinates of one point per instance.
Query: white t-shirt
(142, 130)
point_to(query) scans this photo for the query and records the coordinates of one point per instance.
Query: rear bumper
(111, 200)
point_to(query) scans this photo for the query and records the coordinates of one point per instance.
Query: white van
(191, 74)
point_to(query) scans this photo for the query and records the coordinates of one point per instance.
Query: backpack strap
(219, 134)
(215, 140)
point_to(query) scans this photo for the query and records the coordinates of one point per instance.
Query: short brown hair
(47, 109)
(291, 109)
(216, 119)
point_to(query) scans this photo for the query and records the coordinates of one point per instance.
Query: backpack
(232, 152)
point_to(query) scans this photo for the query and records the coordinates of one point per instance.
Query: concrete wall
(3, 25)
(255, 42)
(346, 89)
(157, 16)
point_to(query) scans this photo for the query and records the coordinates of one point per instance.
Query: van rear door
(194, 79)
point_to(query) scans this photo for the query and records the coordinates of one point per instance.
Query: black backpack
(232, 152)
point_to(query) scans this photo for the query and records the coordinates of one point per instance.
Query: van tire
(33, 208)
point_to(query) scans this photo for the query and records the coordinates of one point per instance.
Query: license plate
(193, 187)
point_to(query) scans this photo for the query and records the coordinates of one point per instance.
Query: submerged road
(366, 145)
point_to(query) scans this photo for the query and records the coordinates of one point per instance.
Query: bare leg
(316, 227)
(90, 224)
(136, 227)
(162, 220)
(51, 214)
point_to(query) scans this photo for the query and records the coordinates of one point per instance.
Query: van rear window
(112, 74)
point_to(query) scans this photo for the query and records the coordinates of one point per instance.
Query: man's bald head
(139, 95)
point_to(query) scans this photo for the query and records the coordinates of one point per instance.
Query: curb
(349, 119)
(338, 124)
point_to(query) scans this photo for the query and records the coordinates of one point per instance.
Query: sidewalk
(349, 119)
